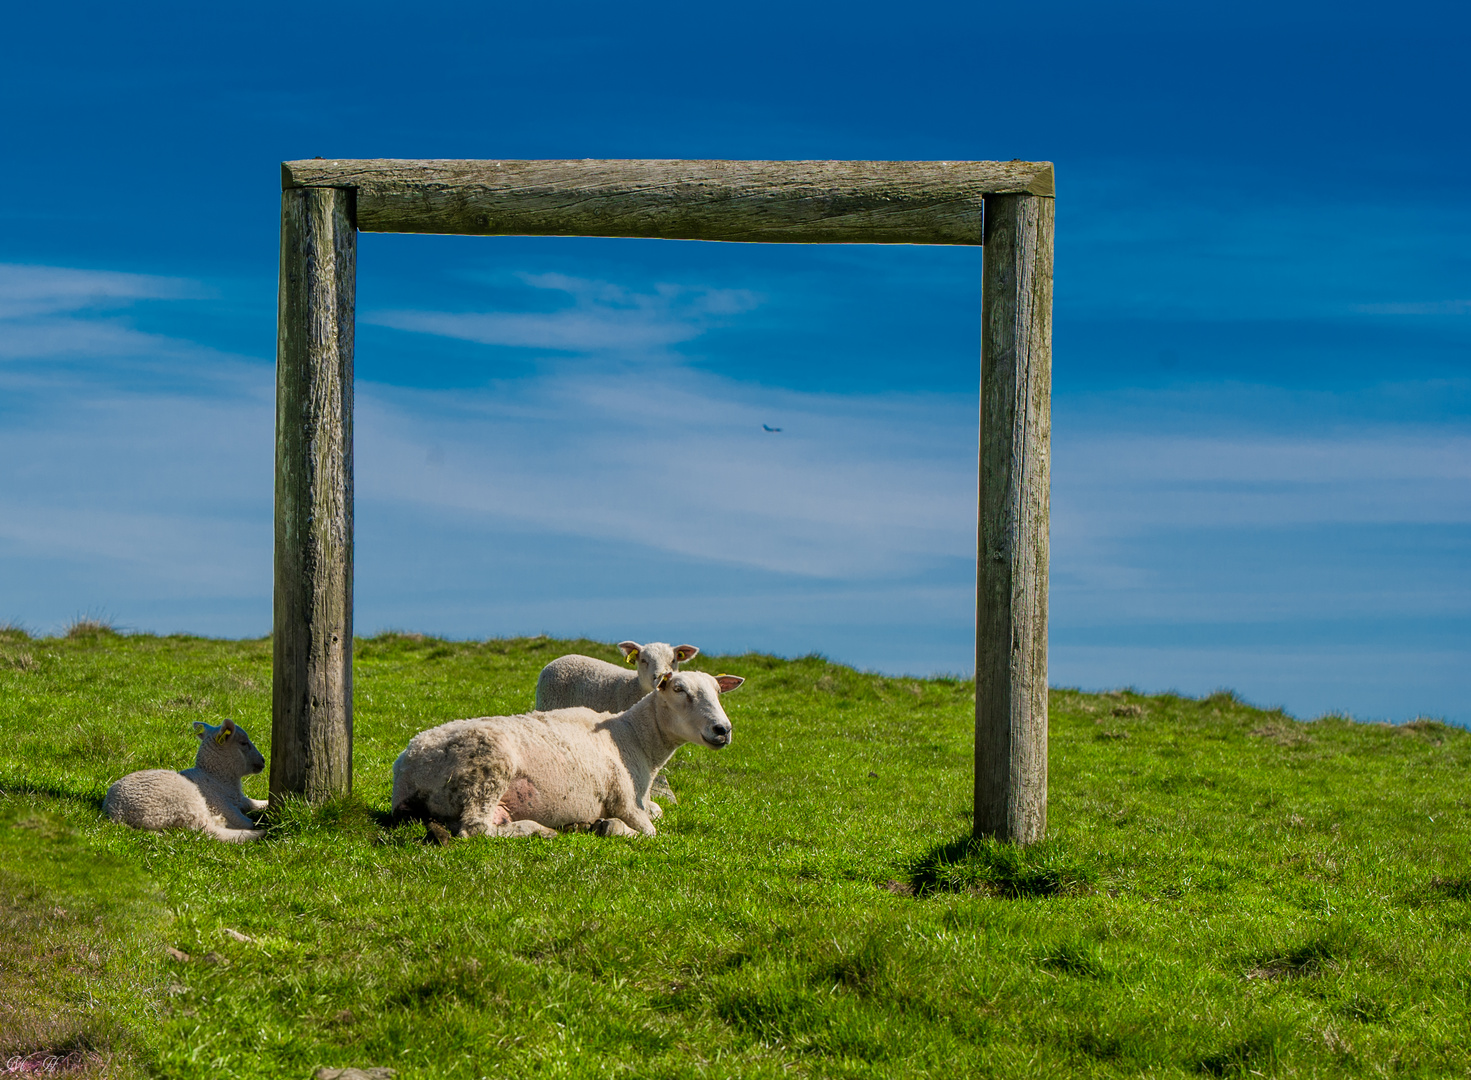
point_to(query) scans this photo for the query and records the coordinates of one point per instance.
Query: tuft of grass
(975, 864)
(348, 816)
(13, 652)
(89, 629)
(1434, 730)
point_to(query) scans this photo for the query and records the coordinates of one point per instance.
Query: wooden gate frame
(1006, 206)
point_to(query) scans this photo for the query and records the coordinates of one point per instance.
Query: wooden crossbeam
(806, 202)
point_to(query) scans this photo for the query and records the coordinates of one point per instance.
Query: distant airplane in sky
(766, 427)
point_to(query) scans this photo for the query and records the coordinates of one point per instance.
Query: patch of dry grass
(73, 985)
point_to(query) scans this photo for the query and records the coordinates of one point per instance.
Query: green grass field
(1225, 890)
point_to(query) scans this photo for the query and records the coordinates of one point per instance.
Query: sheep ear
(685, 652)
(222, 736)
(630, 650)
(201, 728)
(664, 680)
(728, 682)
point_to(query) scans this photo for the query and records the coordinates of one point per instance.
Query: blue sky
(1262, 372)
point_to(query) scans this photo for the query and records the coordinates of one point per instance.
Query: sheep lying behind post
(207, 797)
(575, 680)
(530, 774)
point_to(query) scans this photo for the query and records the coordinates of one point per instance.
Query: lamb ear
(630, 650)
(201, 728)
(728, 682)
(685, 652)
(664, 680)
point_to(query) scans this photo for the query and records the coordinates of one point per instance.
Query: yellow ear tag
(221, 736)
(663, 680)
(632, 657)
(199, 727)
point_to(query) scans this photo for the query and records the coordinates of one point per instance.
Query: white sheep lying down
(207, 798)
(575, 680)
(531, 774)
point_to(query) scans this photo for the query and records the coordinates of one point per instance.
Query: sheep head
(227, 750)
(689, 707)
(655, 660)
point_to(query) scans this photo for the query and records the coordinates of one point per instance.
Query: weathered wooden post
(1012, 525)
(311, 705)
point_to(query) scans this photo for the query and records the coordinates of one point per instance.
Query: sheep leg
(252, 806)
(235, 819)
(232, 836)
(525, 827)
(499, 825)
(611, 826)
(632, 823)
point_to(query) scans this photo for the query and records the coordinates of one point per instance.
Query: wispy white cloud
(60, 313)
(139, 470)
(1428, 307)
(1210, 519)
(602, 317)
(68, 318)
(571, 331)
(1129, 483)
(27, 290)
(69, 336)
(682, 464)
(154, 507)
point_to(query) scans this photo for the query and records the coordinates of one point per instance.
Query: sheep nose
(722, 731)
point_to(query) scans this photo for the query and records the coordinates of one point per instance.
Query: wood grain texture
(311, 720)
(1012, 531)
(862, 202)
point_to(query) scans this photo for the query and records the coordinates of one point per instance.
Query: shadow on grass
(1076, 956)
(1455, 888)
(92, 797)
(1258, 1053)
(976, 865)
(1331, 949)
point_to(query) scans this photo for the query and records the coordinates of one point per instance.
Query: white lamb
(574, 680)
(528, 775)
(207, 798)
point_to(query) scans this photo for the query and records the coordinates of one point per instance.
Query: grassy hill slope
(1225, 891)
